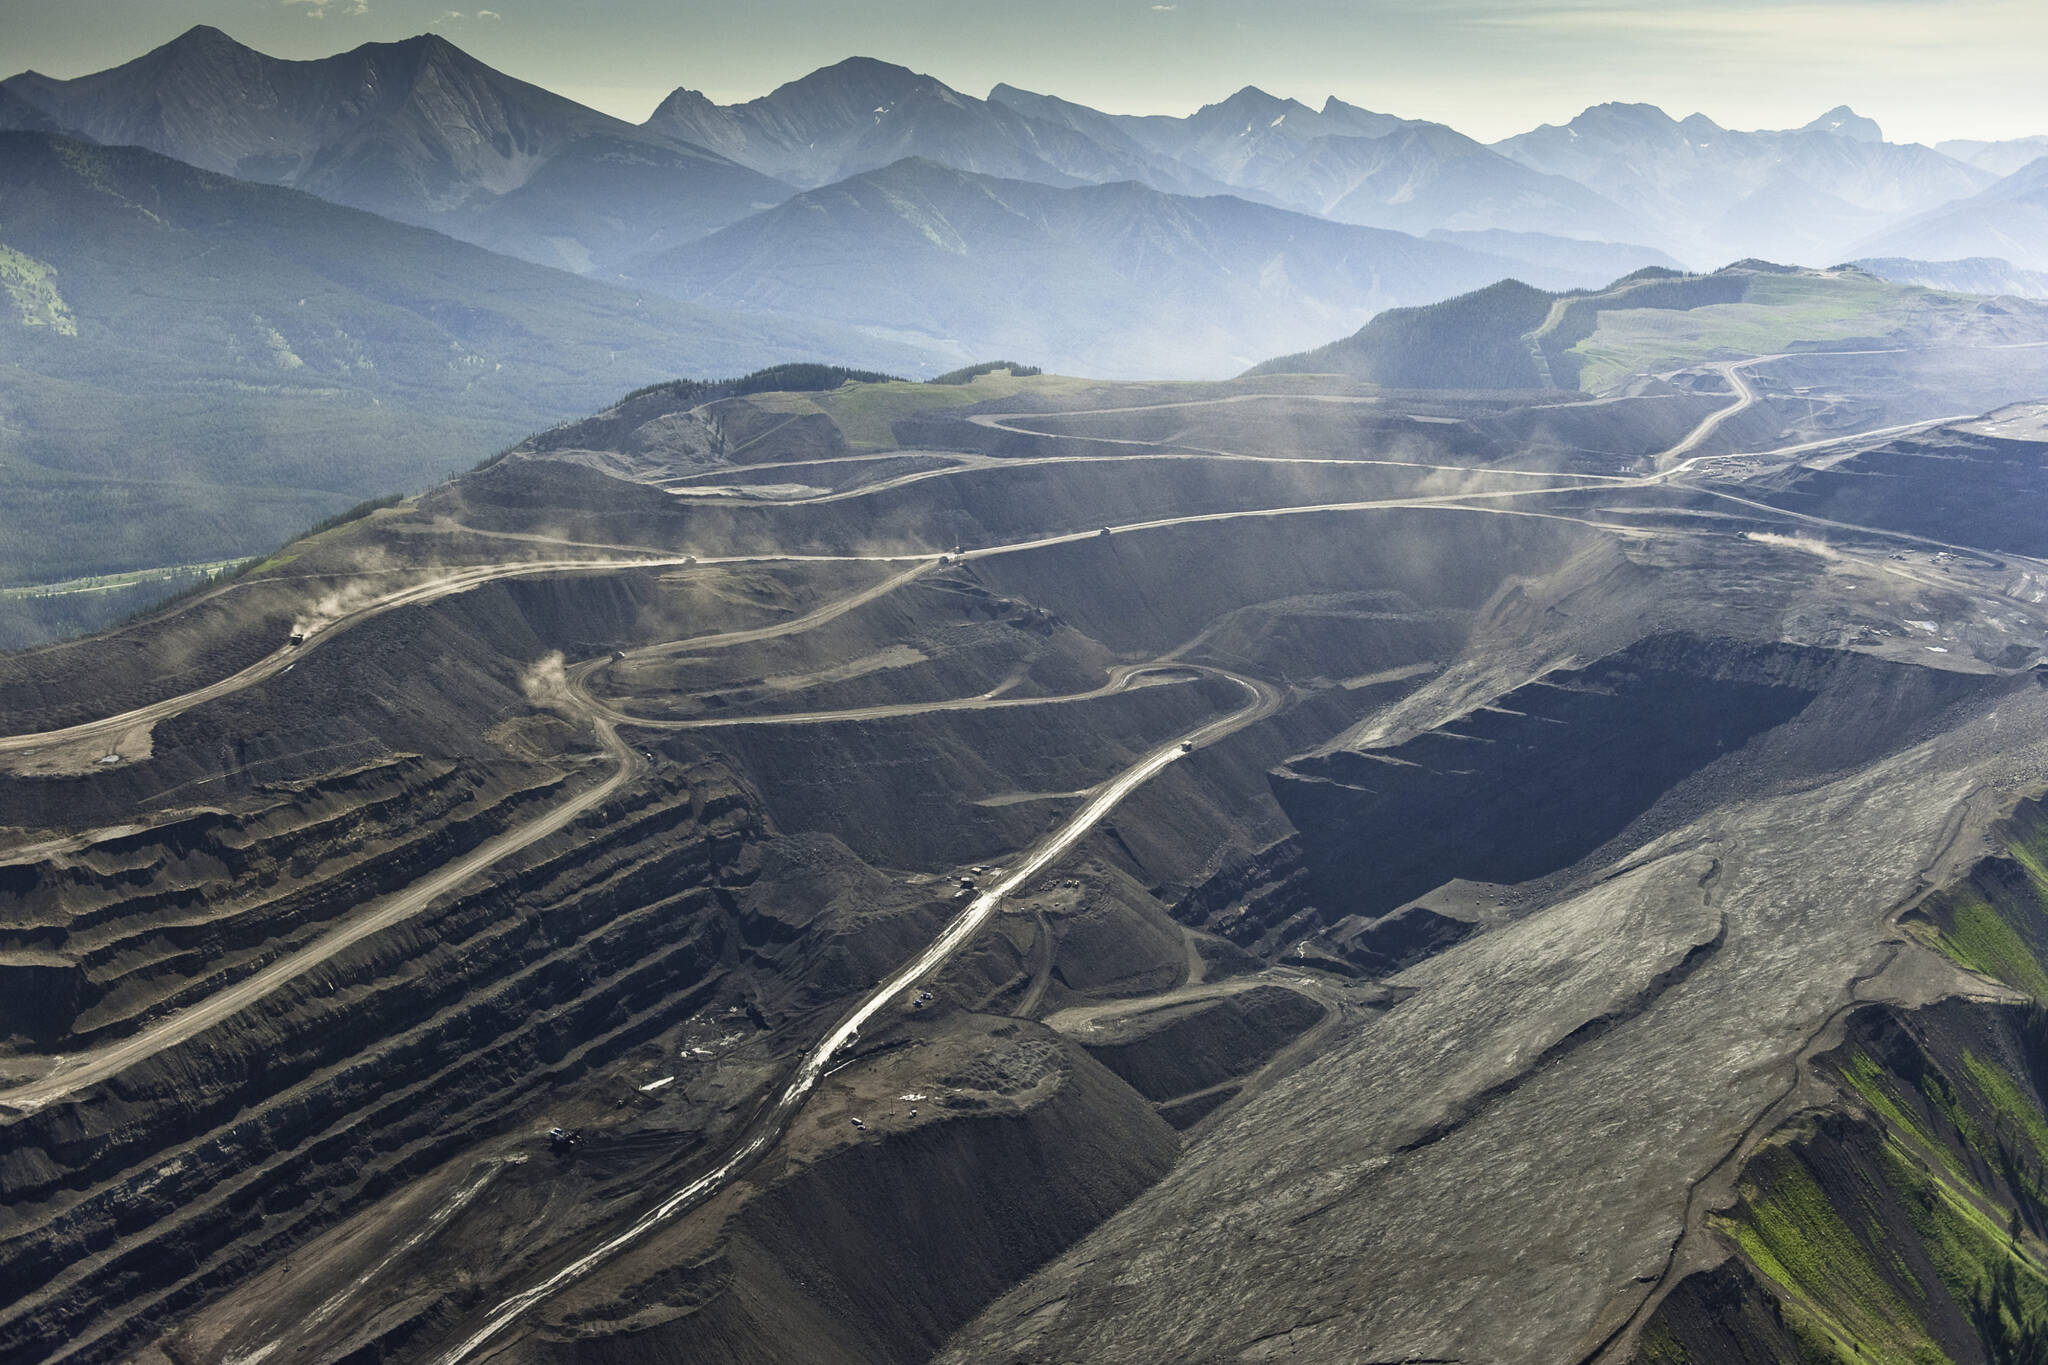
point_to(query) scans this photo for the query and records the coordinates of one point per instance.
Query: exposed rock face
(374, 1067)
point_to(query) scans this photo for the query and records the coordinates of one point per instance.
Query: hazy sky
(1925, 69)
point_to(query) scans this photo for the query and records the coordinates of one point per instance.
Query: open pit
(1369, 859)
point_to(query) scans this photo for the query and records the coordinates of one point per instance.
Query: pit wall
(882, 1248)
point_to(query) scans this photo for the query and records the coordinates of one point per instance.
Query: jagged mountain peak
(860, 75)
(1253, 102)
(1846, 122)
(682, 99)
(1336, 108)
(1620, 113)
(201, 37)
(417, 130)
(863, 113)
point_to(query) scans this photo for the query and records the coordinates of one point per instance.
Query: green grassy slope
(1511, 336)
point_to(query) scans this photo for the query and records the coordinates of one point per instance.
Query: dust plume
(546, 681)
(1814, 546)
(332, 606)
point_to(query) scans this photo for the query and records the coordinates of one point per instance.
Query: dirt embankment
(382, 756)
(875, 1245)
(1179, 1050)
(94, 941)
(1547, 773)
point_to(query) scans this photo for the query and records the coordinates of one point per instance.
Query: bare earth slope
(1050, 871)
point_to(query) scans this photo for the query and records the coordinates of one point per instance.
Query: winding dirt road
(87, 1068)
(79, 1070)
(463, 580)
(1122, 678)
(761, 1136)
(1265, 700)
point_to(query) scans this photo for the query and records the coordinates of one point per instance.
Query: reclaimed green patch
(866, 414)
(1792, 1234)
(1979, 938)
(114, 582)
(1943, 1099)
(2026, 839)
(1777, 313)
(1868, 1080)
(2006, 1096)
(32, 286)
(1964, 1243)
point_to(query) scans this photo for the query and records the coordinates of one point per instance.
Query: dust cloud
(351, 596)
(1814, 546)
(546, 681)
(331, 607)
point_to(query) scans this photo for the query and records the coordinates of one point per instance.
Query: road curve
(1155, 450)
(275, 662)
(89, 1067)
(1122, 678)
(95, 1066)
(1265, 699)
(1745, 399)
(462, 580)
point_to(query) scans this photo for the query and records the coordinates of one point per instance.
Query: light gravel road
(1264, 701)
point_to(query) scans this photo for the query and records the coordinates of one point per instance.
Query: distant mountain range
(1972, 275)
(417, 131)
(1109, 280)
(222, 250)
(883, 200)
(1356, 166)
(421, 132)
(1710, 195)
(861, 115)
(1999, 158)
(2008, 220)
